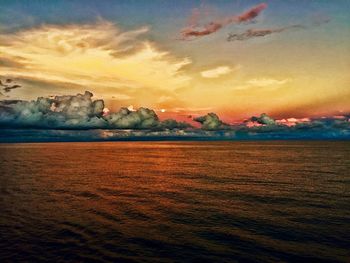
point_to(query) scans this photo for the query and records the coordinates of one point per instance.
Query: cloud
(31, 135)
(142, 118)
(292, 121)
(81, 112)
(9, 85)
(193, 30)
(263, 119)
(264, 82)
(250, 14)
(317, 128)
(173, 124)
(9, 88)
(98, 55)
(314, 128)
(216, 72)
(10, 62)
(211, 121)
(78, 112)
(319, 19)
(80, 118)
(253, 33)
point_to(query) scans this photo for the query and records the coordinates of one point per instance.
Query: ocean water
(175, 202)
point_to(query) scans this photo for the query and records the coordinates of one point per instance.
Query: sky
(289, 59)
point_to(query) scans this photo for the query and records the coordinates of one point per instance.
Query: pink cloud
(193, 30)
(250, 124)
(292, 121)
(250, 14)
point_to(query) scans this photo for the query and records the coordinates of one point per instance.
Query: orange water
(175, 201)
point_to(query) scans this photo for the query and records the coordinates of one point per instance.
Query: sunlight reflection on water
(175, 201)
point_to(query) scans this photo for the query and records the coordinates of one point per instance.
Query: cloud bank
(79, 117)
(314, 128)
(77, 112)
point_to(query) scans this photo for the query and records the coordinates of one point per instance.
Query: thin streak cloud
(252, 33)
(193, 30)
(216, 72)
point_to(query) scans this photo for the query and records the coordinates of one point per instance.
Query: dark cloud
(9, 85)
(206, 30)
(319, 19)
(78, 112)
(317, 128)
(173, 124)
(193, 30)
(45, 135)
(263, 119)
(58, 112)
(55, 116)
(252, 33)
(9, 88)
(143, 118)
(211, 121)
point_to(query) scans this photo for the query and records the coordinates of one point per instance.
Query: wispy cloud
(216, 72)
(264, 82)
(254, 33)
(194, 30)
(97, 55)
(249, 15)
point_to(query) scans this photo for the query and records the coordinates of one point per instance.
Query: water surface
(175, 202)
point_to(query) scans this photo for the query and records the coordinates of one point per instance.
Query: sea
(250, 201)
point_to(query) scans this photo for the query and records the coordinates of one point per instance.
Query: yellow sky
(125, 69)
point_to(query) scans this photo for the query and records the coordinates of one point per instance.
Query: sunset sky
(289, 59)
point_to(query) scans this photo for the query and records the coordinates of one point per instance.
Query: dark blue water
(175, 202)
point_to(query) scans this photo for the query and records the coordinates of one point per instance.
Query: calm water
(175, 202)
